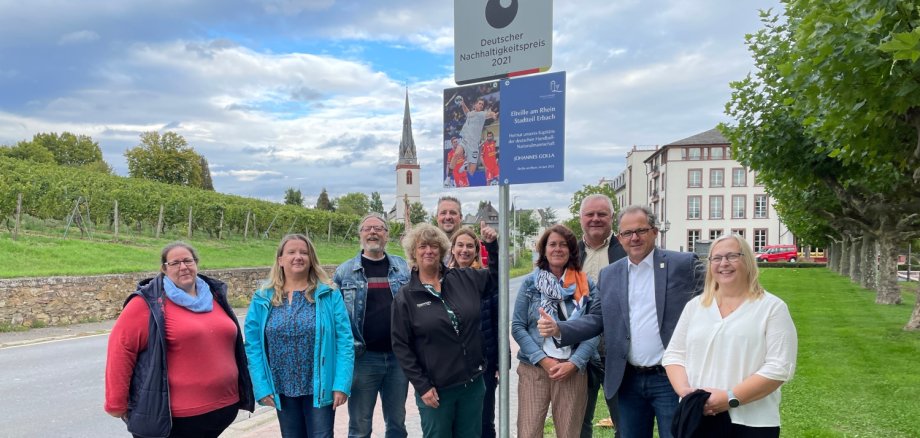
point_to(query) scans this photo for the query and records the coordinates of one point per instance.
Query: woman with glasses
(735, 341)
(176, 365)
(436, 332)
(299, 342)
(466, 252)
(548, 373)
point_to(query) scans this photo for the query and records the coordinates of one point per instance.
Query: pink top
(200, 361)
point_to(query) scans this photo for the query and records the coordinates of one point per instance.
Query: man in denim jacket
(368, 283)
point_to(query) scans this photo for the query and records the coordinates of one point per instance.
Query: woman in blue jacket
(299, 342)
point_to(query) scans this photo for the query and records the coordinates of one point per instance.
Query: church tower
(408, 172)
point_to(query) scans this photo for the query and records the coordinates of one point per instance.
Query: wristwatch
(733, 401)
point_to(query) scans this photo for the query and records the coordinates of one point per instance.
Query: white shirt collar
(649, 260)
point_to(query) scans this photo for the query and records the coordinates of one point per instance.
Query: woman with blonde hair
(299, 342)
(466, 252)
(736, 342)
(436, 332)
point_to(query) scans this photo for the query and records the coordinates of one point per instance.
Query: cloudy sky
(309, 93)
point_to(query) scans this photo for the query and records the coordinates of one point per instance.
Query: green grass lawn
(34, 255)
(857, 373)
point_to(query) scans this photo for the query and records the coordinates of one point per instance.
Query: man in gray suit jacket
(642, 297)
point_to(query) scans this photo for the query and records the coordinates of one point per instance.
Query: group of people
(699, 349)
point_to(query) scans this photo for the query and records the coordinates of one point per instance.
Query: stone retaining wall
(45, 301)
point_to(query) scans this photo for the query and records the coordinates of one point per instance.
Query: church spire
(407, 144)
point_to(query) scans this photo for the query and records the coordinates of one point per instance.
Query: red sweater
(200, 361)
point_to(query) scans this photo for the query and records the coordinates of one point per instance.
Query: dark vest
(148, 400)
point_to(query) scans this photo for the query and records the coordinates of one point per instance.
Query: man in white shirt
(642, 297)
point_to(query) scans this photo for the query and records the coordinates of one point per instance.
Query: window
(715, 234)
(739, 177)
(694, 154)
(760, 206)
(715, 207)
(694, 207)
(409, 177)
(692, 237)
(757, 182)
(760, 238)
(717, 178)
(695, 178)
(738, 232)
(716, 153)
(738, 210)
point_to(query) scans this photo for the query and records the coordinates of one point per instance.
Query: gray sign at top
(500, 38)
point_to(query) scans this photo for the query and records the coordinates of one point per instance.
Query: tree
(165, 158)
(526, 225)
(376, 203)
(353, 203)
(70, 149)
(206, 182)
(833, 111)
(323, 202)
(573, 223)
(293, 197)
(417, 213)
(27, 150)
(549, 217)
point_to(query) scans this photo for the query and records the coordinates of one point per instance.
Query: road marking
(49, 341)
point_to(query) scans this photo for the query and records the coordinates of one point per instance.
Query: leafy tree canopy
(323, 202)
(376, 203)
(293, 196)
(417, 213)
(353, 203)
(165, 158)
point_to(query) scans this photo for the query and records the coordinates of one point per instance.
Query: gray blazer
(678, 278)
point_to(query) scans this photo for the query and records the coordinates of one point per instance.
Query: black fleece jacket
(429, 351)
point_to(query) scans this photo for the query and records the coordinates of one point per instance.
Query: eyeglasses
(174, 263)
(637, 232)
(732, 257)
(369, 228)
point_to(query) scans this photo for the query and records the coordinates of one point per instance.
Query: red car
(778, 253)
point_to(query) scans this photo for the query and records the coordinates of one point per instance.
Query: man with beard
(368, 283)
(449, 215)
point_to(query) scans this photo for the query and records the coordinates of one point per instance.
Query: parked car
(778, 253)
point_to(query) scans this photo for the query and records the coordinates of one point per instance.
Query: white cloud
(78, 37)
(246, 175)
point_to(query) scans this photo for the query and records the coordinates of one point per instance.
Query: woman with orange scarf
(549, 373)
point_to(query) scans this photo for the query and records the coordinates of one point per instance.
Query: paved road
(52, 382)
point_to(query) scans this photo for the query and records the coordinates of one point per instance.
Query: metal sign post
(504, 345)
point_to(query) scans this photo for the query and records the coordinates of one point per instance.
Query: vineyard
(87, 198)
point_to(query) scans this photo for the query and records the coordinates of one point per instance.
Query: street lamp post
(664, 233)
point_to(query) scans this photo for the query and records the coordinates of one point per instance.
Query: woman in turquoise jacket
(299, 342)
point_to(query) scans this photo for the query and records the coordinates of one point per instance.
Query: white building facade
(700, 193)
(631, 185)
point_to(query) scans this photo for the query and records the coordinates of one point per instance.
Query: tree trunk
(869, 263)
(888, 291)
(914, 323)
(855, 252)
(845, 246)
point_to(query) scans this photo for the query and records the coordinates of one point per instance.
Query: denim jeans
(644, 396)
(377, 372)
(299, 419)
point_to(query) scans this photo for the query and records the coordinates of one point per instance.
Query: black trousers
(595, 379)
(207, 425)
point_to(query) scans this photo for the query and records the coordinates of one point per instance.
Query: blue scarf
(203, 303)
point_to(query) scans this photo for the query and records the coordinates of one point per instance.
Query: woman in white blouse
(735, 341)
